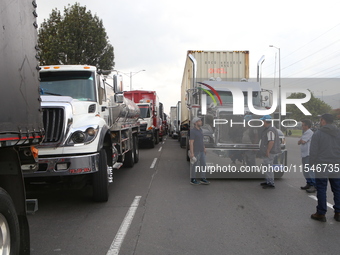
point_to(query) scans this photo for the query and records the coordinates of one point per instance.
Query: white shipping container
(223, 65)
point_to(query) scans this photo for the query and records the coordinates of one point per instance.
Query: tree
(77, 38)
(315, 106)
(336, 113)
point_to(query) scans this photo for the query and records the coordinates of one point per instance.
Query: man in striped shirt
(269, 148)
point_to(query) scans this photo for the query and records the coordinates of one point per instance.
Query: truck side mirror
(117, 84)
(119, 98)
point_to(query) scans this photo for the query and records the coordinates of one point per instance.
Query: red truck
(150, 118)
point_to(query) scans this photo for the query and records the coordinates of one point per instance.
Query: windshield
(227, 98)
(76, 84)
(144, 111)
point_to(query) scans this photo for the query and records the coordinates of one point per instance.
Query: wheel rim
(5, 238)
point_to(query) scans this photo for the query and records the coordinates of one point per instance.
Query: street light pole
(322, 93)
(279, 83)
(132, 74)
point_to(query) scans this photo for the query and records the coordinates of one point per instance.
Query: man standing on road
(325, 161)
(269, 148)
(304, 141)
(197, 151)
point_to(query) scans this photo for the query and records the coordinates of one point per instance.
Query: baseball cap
(194, 120)
(248, 117)
(266, 117)
(327, 117)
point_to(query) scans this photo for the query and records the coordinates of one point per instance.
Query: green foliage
(336, 113)
(315, 106)
(75, 38)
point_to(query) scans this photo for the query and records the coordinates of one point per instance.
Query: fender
(105, 130)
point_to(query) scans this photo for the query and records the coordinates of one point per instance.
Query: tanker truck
(215, 88)
(21, 126)
(91, 129)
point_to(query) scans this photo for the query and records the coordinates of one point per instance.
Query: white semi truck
(215, 88)
(91, 129)
(173, 122)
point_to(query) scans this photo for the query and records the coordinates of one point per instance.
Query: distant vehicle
(173, 122)
(150, 121)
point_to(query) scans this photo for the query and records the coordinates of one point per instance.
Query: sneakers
(263, 184)
(205, 181)
(268, 186)
(319, 217)
(194, 182)
(202, 181)
(307, 186)
(312, 189)
(337, 216)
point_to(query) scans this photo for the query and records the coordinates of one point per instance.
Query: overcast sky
(155, 35)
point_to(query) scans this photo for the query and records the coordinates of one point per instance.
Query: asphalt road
(229, 216)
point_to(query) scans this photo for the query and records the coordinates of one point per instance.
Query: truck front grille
(53, 119)
(142, 127)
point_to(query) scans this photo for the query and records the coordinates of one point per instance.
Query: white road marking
(153, 163)
(316, 199)
(160, 149)
(124, 227)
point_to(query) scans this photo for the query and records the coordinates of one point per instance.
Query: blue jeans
(199, 165)
(268, 161)
(309, 175)
(321, 181)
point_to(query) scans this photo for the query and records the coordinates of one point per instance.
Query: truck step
(117, 165)
(31, 205)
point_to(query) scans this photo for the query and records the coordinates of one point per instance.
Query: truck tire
(136, 148)
(157, 138)
(129, 158)
(278, 175)
(100, 179)
(152, 142)
(9, 225)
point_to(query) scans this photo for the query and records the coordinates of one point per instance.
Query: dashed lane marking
(316, 199)
(124, 227)
(153, 163)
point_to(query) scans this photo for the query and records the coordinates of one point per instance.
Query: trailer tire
(136, 148)
(9, 225)
(100, 179)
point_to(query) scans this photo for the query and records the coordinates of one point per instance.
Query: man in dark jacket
(325, 162)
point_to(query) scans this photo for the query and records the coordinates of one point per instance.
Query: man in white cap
(197, 150)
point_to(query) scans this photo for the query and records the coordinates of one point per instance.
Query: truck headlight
(78, 137)
(83, 136)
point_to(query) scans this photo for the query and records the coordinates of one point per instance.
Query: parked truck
(179, 127)
(150, 120)
(162, 129)
(173, 121)
(215, 86)
(91, 129)
(21, 126)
